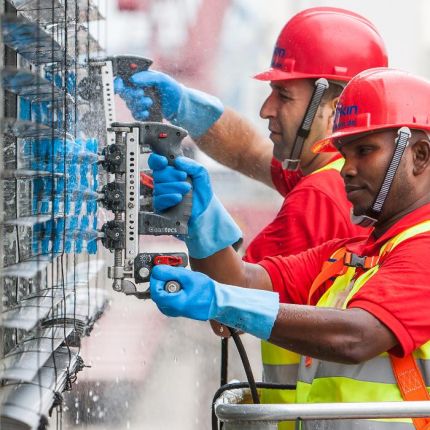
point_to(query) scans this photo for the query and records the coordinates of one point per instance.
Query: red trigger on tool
(170, 260)
(146, 180)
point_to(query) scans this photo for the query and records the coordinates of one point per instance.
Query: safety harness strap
(411, 385)
(330, 268)
(353, 260)
(338, 265)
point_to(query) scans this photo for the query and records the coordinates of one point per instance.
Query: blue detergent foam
(71, 82)
(88, 235)
(80, 235)
(76, 232)
(70, 230)
(24, 109)
(44, 237)
(59, 236)
(50, 155)
(92, 243)
(71, 226)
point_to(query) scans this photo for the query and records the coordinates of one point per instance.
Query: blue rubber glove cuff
(211, 231)
(252, 311)
(197, 111)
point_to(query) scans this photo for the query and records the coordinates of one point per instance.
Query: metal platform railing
(266, 417)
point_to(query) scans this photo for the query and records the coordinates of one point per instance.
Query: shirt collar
(371, 245)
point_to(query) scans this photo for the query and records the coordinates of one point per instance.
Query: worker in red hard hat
(356, 309)
(317, 52)
(327, 43)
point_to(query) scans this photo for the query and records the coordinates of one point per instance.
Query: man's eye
(285, 97)
(364, 150)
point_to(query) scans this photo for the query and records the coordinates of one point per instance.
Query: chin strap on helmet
(402, 141)
(293, 162)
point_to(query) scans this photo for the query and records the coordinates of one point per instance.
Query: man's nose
(268, 110)
(349, 169)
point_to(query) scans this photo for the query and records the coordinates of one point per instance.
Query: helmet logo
(346, 116)
(278, 55)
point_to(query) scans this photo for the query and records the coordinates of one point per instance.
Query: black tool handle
(165, 139)
(125, 66)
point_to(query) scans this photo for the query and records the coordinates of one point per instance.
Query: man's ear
(334, 103)
(421, 155)
(330, 119)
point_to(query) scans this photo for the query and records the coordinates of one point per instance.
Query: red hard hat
(325, 42)
(379, 99)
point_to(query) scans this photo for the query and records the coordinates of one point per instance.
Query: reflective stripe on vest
(280, 365)
(372, 380)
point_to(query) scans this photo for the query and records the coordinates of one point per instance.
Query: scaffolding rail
(244, 413)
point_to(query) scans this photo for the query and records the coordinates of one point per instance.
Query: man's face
(285, 109)
(366, 162)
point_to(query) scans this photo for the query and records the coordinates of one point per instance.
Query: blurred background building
(148, 371)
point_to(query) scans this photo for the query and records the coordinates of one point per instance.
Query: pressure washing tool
(125, 145)
(121, 196)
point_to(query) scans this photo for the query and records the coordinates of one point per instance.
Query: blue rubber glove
(170, 184)
(201, 298)
(134, 98)
(191, 109)
(210, 227)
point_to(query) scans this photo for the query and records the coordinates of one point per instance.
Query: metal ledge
(27, 173)
(24, 361)
(45, 11)
(19, 128)
(81, 310)
(30, 221)
(25, 405)
(31, 86)
(42, 10)
(33, 309)
(29, 268)
(31, 41)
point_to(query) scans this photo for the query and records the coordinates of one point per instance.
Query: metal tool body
(125, 145)
(121, 235)
(98, 90)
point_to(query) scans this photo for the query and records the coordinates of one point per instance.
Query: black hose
(224, 361)
(247, 367)
(239, 385)
(224, 366)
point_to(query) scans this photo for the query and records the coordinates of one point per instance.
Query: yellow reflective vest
(280, 365)
(371, 381)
